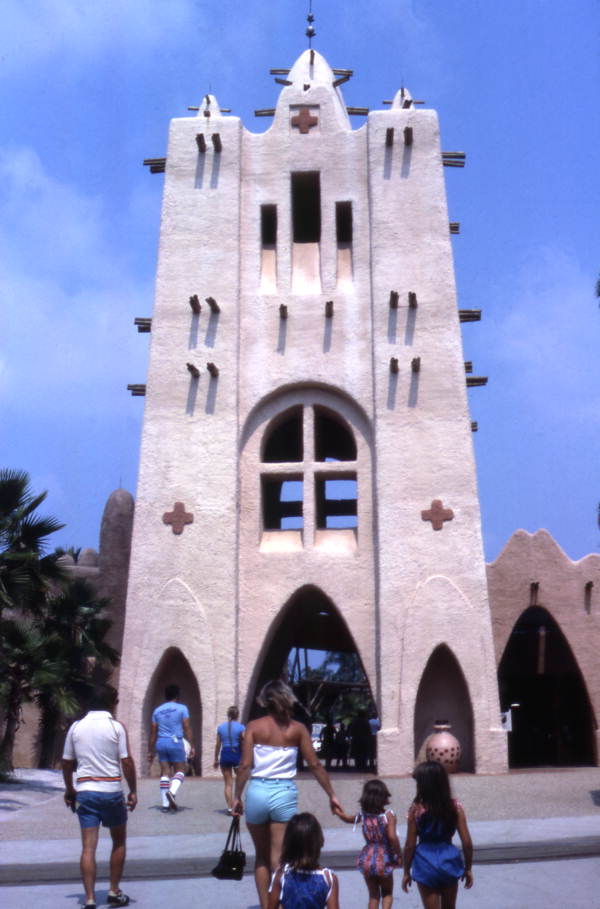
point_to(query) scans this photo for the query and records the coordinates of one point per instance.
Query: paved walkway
(520, 817)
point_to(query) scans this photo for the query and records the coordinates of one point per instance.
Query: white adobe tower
(307, 473)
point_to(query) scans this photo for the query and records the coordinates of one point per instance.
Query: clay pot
(443, 747)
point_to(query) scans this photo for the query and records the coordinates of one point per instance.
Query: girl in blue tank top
(300, 882)
(434, 862)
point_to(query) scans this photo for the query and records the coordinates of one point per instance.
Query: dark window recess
(336, 502)
(306, 207)
(343, 222)
(284, 442)
(282, 503)
(333, 440)
(268, 225)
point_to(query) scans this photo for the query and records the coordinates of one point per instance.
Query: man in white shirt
(98, 747)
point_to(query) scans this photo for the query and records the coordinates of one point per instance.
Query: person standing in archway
(170, 723)
(228, 751)
(269, 754)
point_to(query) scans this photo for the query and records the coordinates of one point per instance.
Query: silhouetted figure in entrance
(341, 746)
(327, 737)
(360, 733)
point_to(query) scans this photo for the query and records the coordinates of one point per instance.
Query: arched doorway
(310, 647)
(443, 694)
(174, 669)
(553, 724)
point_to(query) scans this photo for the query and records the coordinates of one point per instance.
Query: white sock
(176, 783)
(164, 787)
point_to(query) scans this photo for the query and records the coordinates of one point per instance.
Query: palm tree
(26, 575)
(25, 571)
(74, 626)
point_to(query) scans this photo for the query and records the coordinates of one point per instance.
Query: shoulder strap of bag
(234, 838)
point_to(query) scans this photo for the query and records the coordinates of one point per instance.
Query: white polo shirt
(97, 743)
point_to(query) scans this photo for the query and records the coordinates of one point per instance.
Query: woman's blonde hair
(278, 699)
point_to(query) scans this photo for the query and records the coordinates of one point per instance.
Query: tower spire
(310, 30)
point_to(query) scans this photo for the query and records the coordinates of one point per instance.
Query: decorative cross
(437, 514)
(304, 120)
(178, 518)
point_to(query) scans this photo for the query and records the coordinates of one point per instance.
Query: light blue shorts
(270, 800)
(170, 752)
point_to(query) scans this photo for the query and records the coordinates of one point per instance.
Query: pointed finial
(310, 31)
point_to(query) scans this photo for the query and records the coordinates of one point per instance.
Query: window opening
(268, 225)
(336, 501)
(343, 222)
(306, 207)
(282, 499)
(284, 443)
(333, 440)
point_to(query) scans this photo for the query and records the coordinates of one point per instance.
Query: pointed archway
(443, 693)
(553, 724)
(174, 669)
(310, 630)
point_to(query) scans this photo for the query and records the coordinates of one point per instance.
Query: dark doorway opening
(311, 648)
(553, 724)
(174, 669)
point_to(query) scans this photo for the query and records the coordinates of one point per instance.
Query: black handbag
(230, 866)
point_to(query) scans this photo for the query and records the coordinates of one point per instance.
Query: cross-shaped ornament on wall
(178, 518)
(437, 514)
(304, 120)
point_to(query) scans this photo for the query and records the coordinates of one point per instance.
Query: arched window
(309, 471)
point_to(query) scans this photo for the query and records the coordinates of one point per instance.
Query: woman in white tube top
(269, 757)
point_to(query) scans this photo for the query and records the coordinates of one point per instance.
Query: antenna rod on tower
(310, 31)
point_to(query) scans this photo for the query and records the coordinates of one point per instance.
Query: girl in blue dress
(300, 882)
(434, 862)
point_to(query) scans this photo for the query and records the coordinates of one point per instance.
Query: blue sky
(87, 92)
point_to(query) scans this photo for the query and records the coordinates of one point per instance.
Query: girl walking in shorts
(300, 882)
(381, 852)
(433, 818)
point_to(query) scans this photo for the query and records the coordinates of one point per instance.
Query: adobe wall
(537, 558)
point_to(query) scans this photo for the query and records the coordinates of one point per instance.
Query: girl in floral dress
(381, 852)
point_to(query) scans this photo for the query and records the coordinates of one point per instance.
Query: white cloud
(34, 30)
(67, 294)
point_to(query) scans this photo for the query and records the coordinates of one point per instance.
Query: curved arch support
(439, 615)
(191, 636)
(308, 619)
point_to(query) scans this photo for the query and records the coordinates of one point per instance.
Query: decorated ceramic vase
(443, 747)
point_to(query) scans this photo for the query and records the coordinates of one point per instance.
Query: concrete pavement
(540, 815)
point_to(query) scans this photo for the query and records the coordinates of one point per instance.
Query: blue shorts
(230, 757)
(171, 752)
(106, 808)
(270, 800)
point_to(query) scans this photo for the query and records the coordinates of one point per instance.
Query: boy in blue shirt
(170, 726)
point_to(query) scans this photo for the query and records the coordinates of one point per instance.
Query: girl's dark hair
(375, 796)
(232, 713)
(302, 842)
(278, 699)
(433, 792)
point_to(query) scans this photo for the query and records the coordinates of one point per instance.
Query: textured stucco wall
(216, 591)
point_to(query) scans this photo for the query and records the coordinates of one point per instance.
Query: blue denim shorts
(270, 800)
(106, 808)
(230, 757)
(170, 751)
